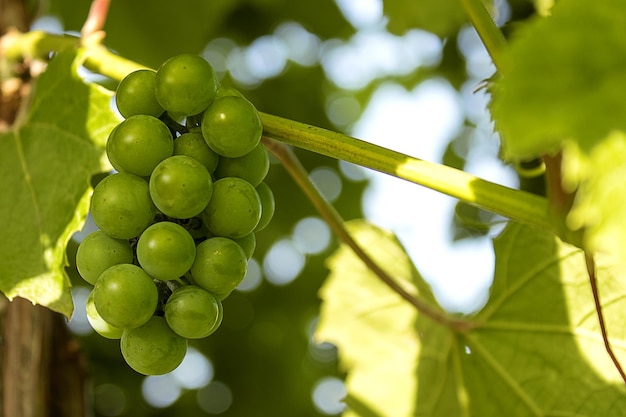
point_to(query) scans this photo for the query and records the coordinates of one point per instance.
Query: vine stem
(508, 202)
(515, 204)
(491, 36)
(292, 164)
(591, 271)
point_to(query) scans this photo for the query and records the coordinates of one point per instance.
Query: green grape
(231, 126)
(125, 296)
(186, 85)
(267, 203)
(166, 250)
(248, 244)
(181, 187)
(97, 323)
(193, 312)
(154, 348)
(97, 252)
(252, 167)
(138, 144)
(121, 205)
(136, 94)
(220, 265)
(234, 210)
(192, 144)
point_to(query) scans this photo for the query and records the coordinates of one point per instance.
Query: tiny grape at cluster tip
(177, 221)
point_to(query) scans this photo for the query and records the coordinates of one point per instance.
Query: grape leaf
(565, 79)
(563, 91)
(600, 203)
(46, 162)
(534, 349)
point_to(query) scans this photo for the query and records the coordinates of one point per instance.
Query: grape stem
(515, 204)
(490, 35)
(291, 163)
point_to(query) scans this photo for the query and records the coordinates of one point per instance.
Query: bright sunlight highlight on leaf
(46, 163)
(534, 350)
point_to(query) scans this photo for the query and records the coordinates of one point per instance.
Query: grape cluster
(177, 221)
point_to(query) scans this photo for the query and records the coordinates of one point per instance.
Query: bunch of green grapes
(177, 221)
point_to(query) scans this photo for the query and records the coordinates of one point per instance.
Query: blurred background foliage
(303, 60)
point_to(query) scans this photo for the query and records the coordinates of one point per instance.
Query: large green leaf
(563, 90)
(565, 79)
(600, 204)
(46, 162)
(534, 350)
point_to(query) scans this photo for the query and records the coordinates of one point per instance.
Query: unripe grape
(136, 94)
(252, 167)
(166, 250)
(138, 144)
(97, 252)
(192, 144)
(153, 348)
(121, 205)
(193, 312)
(181, 187)
(234, 210)
(125, 296)
(186, 84)
(248, 244)
(97, 323)
(231, 126)
(220, 266)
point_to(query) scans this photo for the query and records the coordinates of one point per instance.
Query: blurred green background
(290, 58)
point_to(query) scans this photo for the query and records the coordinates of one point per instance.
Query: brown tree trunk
(43, 371)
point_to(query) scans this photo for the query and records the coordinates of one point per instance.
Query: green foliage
(563, 91)
(46, 162)
(358, 309)
(535, 348)
(501, 361)
(600, 205)
(564, 80)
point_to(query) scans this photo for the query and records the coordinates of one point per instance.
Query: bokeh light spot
(283, 262)
(327, 181)
(215, 398)
(109, 400)
(342, 109)
(311, 235)
(195, 371)
(352, 171)
(78, 323)
(328, 395)
(160, 391)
